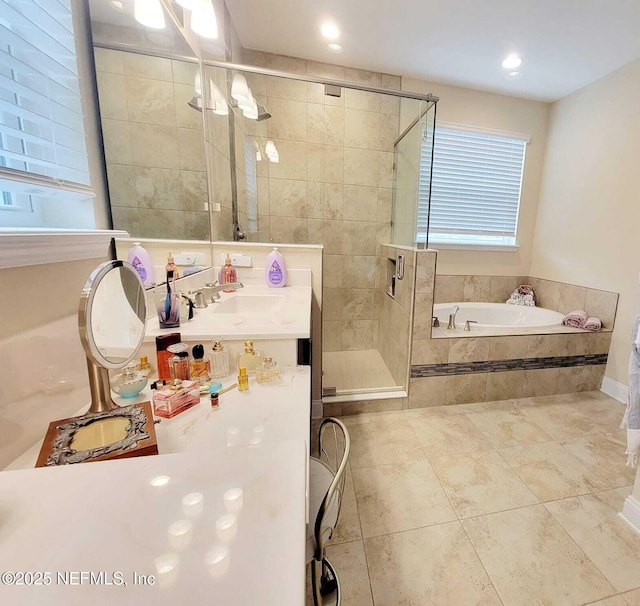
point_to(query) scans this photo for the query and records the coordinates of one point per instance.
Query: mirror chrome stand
(101, 400)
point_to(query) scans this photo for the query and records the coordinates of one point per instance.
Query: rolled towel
(575, 319)
(593, 323)
(523, 295)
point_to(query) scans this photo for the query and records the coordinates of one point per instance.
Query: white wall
(588, 226)
(499, 112)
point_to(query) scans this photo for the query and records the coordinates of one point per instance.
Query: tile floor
(511, 502)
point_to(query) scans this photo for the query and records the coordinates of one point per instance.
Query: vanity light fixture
(203, 20)
(117, 4)
(217, 100)
(197, 84)
(149, 13)
(512, 62)
(251, 112)
(272, 152)
(330, 31)
(334, 48)
(240, 89)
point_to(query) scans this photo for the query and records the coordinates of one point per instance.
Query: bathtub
(498, 315)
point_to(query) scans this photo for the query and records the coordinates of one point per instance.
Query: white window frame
(469, 241)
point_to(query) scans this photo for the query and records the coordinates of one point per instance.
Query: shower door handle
(400, 267)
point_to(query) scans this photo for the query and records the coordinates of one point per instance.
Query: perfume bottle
(250, 358)
(144, 367)
(268, 371)
(228, 274)
(199, 368)
(171, 266)
(243, 380)
(179, 363)
(219, 360)
(129, 383)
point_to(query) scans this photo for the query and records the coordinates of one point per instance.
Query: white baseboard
(316, 409)
(631, 512)
(616, 390)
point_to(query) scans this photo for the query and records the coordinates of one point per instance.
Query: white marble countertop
(107, 517)
(289, 316)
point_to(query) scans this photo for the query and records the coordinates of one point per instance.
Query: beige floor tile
(392, 498)
(443, 434)
(348, 560)
(604, 454)
(593, 523)
(508, 428)
(481, 482)
(625, 491)
(381, 439)
(348, 528)
(532, 560)
(435, 565)
(551, 471)
(349, 370)
(632, 598)
(615, 600)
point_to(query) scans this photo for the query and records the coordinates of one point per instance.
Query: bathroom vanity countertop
(257, 312)
(107, 516)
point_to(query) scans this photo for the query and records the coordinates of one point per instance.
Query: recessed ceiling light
(513, 76)
(330, 31)
(334, 48)
(117, 5)
(512, 62)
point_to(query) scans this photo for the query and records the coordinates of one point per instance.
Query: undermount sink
(249, 304)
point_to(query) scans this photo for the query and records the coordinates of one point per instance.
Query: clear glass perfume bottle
(199, 368)
(268, 371)
(219, 360)
(250, 358)
(144, 367)
(179, 363)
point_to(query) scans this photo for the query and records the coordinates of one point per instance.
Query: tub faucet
(452, 317)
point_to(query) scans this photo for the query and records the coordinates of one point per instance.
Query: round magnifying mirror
(111, 320)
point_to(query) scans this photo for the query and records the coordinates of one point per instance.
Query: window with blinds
(44, 170)
(475, 186)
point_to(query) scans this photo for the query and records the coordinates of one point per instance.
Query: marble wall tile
(360, 203)
(469, 350)
(362, 129)
(165, 223)
(315, 123)
(597, 375)
(112, 95)
(288, 119)
(538, 563)
(155, 146)
(331, 335)
(129, 218)
(603, 342)
(145, 66)
(504, 385)
(332, 409)
(316, 153)
(186, 116)
(593, 523)
(315, 200)
(332, 270)
(357, 304)
(390, 105)
(385, 169)
(122, 185)
(360, 407)
(191, 149)
(389, 131)
(385, 201)
(481, 482)
(116, 135)
(502, 287)
(476, 288)
(541, 382)
(334, 163)
(284, 88)
(293, 161)
(430, 351)
(362, 76)
(447, 573)
(185, 73)
(462, 389)
(580, 343)
(542, 346)
(356, 238)
(285, 63)
(393, 498)
(507, 348)
(108, 61)
(159, 188)
(391, 82)
(333, 201)
(358, 271)
(196, 225)
(315, 231)
(334, 125)
(357, 334)
(571, 298)
(288, 198)
(422, 316)
(332, 237)
(425, 272)
(547, 293)
(325, 70)
(150, 101)
(332, 303)
(603, 305)
(427, 392)
(357, 99)
(448, 289)
(360, 167)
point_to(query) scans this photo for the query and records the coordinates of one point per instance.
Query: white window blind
(42, 138)
(476, 185)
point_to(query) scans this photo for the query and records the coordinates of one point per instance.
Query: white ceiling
(565, 44)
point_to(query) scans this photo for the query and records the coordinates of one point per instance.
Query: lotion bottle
(275, 269)
(141, 261)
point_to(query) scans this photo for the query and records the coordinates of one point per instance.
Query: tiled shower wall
(333, 184)
(154, 145)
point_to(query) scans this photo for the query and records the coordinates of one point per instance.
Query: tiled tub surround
(487, 364)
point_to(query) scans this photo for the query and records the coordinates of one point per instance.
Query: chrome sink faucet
(214, 289)
(452, 317)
